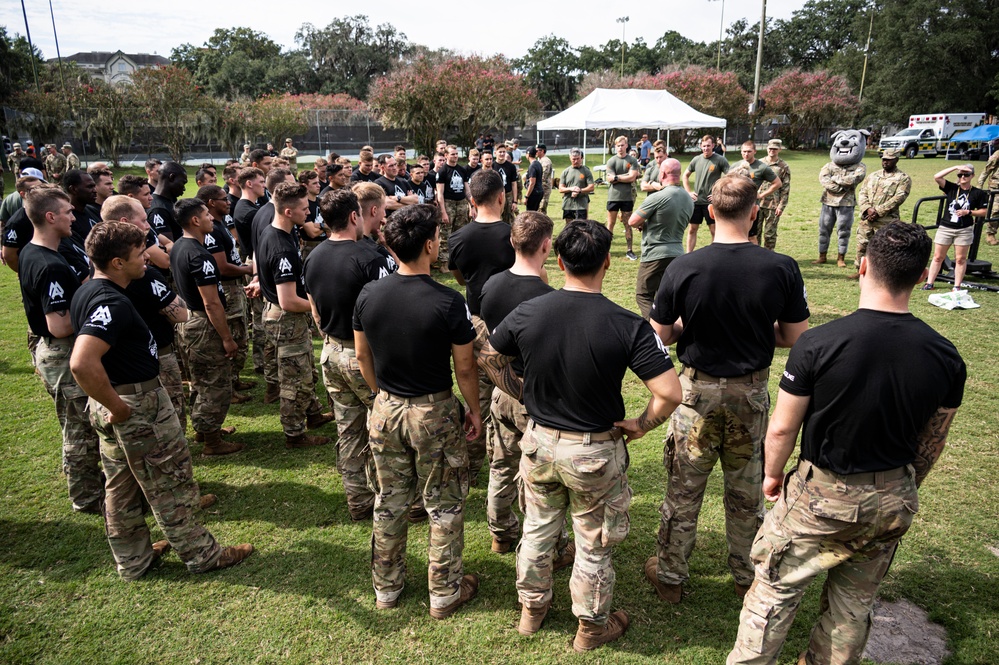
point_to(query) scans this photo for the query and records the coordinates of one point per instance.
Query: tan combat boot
(272, 394)
(226, 431)
(990, 238)
(501, 546)
(207, 501)
(671, 593)
(531, 619)
(214, 445)
(841, 260)
(240, 384)
(819, 261)
(742, 589)
(566, 560)
(231, 556)
(467, 589)
(240, 398)
(316, 420)
(589, 635)
(305, 441)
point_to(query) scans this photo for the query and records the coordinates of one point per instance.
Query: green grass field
(305, 596)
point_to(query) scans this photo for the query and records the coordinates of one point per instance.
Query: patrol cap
(509, 144)
(891, 153)
(776, 144)
(33, 172)
(966, 168)
(67, 144)
(16, 146)
(287, 140)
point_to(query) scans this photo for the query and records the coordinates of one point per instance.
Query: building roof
(102, 57)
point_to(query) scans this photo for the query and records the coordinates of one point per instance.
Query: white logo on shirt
(209, 241)
(157, 220)
(790, 377)
(662, 347)
(154, 350)
(208, 268)
(159, 288)
(12, 236)
(468, 312)
(55, 291)
(101, 315)
(284, 265)
(804, 292)
(457, 184)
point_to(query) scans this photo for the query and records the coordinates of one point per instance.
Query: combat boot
(671, 593)
(590, 635)
(207, 501)
(855, 275)
(226, 431)
(240, 384)
(240, 398)
(305, 441)
(160, 549)
(467, 589)
(742, 589)
(566, 560)
(990, 238)
(316, 420)
(531, 619)
(214, 445)
(231, 556)
(820, 260)
(272, 394)
(841, 260)
(501, 546)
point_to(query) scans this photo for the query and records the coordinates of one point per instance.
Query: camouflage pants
(352, 400)
(716, 419)
(478, 448)
(172, 380)
(264, 353)
(211, 373)
(544, 201)
(823, 524)
(147, 457)
(509, 419)
(768, 223)
(992, 226)
(418, 447)
(80, 448)
(866, 231)
(507, 214)
(235, 314)
(296, 366)
(457, 214)
(588, 479)
(840, 217)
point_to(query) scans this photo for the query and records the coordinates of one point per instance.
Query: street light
(623, 20)
(721, 27)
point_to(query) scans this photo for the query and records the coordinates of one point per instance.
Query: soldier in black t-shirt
(48, 285)
(576, 345)
(422, 186)
(365, 171)
(398, 191)
(82, 194)
(171, 185)
(145, 454)
(286, 317)
(726, 306)
(206, 338)
(407, 327)
(452, 198)
(868, 440)
(335, 272)
(371, 199)
(511, 182)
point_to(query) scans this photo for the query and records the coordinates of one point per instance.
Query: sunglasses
(963, 175)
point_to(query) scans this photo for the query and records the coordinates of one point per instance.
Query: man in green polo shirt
(622, 171)
(663, 218)
(759, 172)
(576, 184)
(707, 168)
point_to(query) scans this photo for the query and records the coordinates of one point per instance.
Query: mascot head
(848, 146)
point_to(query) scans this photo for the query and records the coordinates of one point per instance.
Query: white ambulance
(928, 135)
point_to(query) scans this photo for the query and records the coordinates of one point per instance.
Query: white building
(115, 67)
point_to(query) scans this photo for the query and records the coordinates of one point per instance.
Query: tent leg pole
(603, 150)
(584, 147)
(667, 141)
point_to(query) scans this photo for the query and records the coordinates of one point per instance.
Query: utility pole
(759, 66)
(867, 52)
(623, 20)
(31, 47)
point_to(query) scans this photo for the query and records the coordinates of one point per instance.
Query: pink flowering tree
(457, 97)
(278, 116)
(173, 106)
(810, 101)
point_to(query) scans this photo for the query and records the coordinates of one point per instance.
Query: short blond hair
(368, 194)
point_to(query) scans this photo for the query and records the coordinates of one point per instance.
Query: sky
(467, 27)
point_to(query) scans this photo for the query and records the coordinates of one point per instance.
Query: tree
(810, 101)
(108, 114)
(460, 97)
(42, 115)
(230, 124)
(172, 105)
(15, 64)
(348, 54)
(551, 69)
(277, 117)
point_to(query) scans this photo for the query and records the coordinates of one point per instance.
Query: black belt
(752, 377)
(613, 434)
(137, 388)
(165, 350)
(867, 478)
(232, 282)
(421, 399)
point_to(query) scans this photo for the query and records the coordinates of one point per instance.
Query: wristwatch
(398, 198)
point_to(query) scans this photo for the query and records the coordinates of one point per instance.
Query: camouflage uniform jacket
(55, 165)
(989, 179)
(884, 192)
(547, 170)
(72, 161)
(14, 162)
(840, 182)
(779, 198)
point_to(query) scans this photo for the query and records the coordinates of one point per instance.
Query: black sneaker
(631, 256)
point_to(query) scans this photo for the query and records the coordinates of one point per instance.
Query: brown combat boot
(467, 589)
(160, 549)
(841, 260)
(418, 513)
(207, 501)
(671, 593)
(226, 431)
(231, 556)
(990, 238)
(589, 635)
(214, 445)
(855, 275)
(240, 398)
(240, 384)
(305, 441)
(742, 589)
(820, 260)
(531, 619)
(316, 420)
(566, 560)
(272, 394)
(501, 546)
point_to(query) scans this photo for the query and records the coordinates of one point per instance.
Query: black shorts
(569, 215)
(622, 206)
(755, 229)
(701, 214)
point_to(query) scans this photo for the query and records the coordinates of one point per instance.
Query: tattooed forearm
(647, 422)
(176, 311)
(931, 442)
(499, 370)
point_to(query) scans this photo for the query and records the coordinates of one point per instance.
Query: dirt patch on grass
(902, 634)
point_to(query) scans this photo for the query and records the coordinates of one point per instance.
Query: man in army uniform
(407, 328)
(143, 449)
(14, 160)
(55, 164)
(868, 440)
(576, 184)
(72, 161)
(989, 180)
(773, 205)
(764, 177)
(290, 152)
(547, 171)
(879, 199)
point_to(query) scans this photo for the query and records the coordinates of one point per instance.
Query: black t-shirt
(508, 172)
(479, 251)
(357, 176)
(381, 249)
(576, 347)
(101, 308)
(262, 220)
(48, 284)
(76, 256)
(410, 322)
(502, 293)
(729, 296)
(243, 215)
(278, 262)
(192, 266)
(335, 273)
(150, 295)
(220, 241)
(874, 379)
(398, 187)
(973, 199)
(425, 191)
(82, 223)
(18, 231)
(454, 179)
(162, 219)
(535, 171)
(233, 199)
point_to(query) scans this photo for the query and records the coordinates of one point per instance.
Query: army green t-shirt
(706, 173)
(621, 191)
(651, 172)
(573, 177)
(759, 171)
(667, 214)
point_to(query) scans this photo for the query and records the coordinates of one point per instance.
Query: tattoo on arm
(499, 369)
(647, 422)
(173, 309)
(931, 442)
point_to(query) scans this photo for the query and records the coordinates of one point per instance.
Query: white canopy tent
(629, 109)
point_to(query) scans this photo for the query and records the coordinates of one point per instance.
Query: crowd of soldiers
(132, 292)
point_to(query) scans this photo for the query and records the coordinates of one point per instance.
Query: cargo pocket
(617, 522)
(755, 620)
(828, 508)
(669, 451)
(759, 398)
(768, 553)
(169, 467)
(691, 397)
